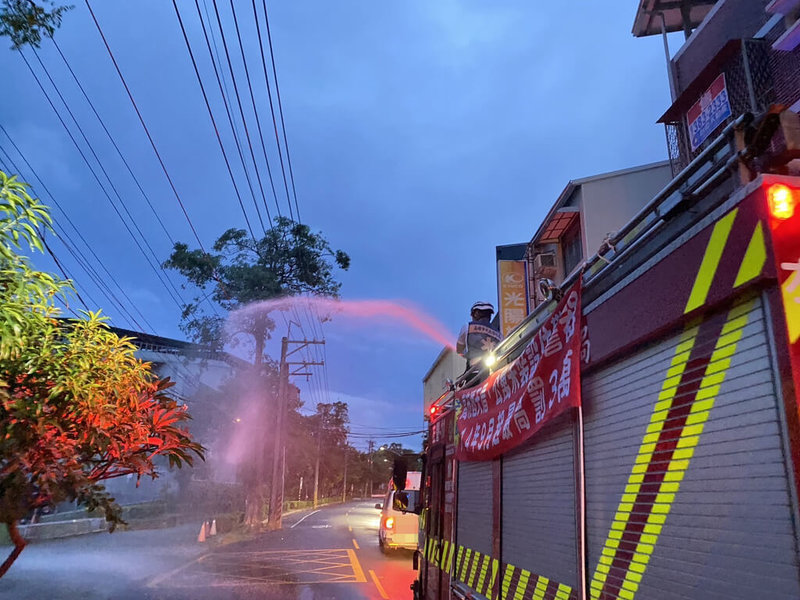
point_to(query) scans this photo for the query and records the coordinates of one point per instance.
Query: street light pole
(371, 448)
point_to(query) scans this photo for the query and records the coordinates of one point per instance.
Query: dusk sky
(422, 135)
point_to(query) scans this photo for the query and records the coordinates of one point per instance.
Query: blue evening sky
(423, 133)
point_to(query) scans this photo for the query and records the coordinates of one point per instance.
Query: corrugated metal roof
(648, 15)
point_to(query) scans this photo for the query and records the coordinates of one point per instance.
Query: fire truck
(638, 435)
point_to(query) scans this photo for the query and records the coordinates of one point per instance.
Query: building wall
(609, 203)
(448, 365)
(729, 20)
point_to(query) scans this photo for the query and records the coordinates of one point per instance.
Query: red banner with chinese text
(518, 400)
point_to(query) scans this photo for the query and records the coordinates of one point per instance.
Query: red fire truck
(638, 435)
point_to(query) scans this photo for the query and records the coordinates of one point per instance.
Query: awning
(557, 225)
(648, 15)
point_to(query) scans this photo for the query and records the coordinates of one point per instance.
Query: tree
(26, 22)
(76, 406)
(289, 260)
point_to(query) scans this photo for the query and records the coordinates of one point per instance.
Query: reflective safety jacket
(476, 339)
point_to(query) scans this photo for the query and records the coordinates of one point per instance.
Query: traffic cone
(213, 530)
(202, 535)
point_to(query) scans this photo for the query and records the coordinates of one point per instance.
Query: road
(332, 553)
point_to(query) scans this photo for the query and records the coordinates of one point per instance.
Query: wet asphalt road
(332, 553)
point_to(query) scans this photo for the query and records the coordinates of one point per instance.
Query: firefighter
(478, 337)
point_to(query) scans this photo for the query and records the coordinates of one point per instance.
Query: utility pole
(344, 481)
(371, 448)
(316, 466)
(279, 454)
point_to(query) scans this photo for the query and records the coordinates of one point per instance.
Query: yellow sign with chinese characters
(512, 291)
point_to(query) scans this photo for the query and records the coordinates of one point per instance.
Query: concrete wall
(608, 203)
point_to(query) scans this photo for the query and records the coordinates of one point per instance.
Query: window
(571, 247)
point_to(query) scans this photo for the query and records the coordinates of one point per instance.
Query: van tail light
(389, 523)
(782, 201)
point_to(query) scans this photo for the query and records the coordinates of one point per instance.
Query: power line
(213, 120)
(144, 126)
(113, 142)
(241, 113)
(272, 108)
(108, 177)
(255, 112)
(119, 153)
(97, 179)
(280, 110)
(64, 238)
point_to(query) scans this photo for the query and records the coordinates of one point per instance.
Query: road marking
(276, 567)
(378, 585)
(159, 578)
(355, 543)
(303, 519)
(350, 529)
(357, 570)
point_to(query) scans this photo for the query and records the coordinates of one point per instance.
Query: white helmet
(482, 306)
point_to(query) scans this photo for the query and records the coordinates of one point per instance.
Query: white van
(397, 529)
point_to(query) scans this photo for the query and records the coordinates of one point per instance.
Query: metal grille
(749, 80)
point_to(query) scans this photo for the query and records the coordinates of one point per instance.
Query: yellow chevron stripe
(754, 257)
(563, 592)
(661, 409)
(710, 262)
(472, 572)
(443, 555)
(464, 565)
(492, 579)
(713, 377)
(459, 561)
(482, 577)
(506, 582)
(522, 584)
(790, 290)
(541, 588)
(450, 558)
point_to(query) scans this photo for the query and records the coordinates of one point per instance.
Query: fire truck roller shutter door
(686, 480)
(474, 526)
(539, 521)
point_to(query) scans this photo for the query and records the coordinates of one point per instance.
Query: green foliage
(26, 21)
(289, 260)
(26, 295)
(76, 406)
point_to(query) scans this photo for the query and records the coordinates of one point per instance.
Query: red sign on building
(518, 400)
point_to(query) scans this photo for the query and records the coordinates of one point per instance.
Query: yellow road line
(350, 529)
(159, 578)
(355, 543)
(357, 570)
(378, 585)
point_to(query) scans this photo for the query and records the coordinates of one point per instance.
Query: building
(196, 371)
(738, 56)
(583, 216)
(447, 366)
